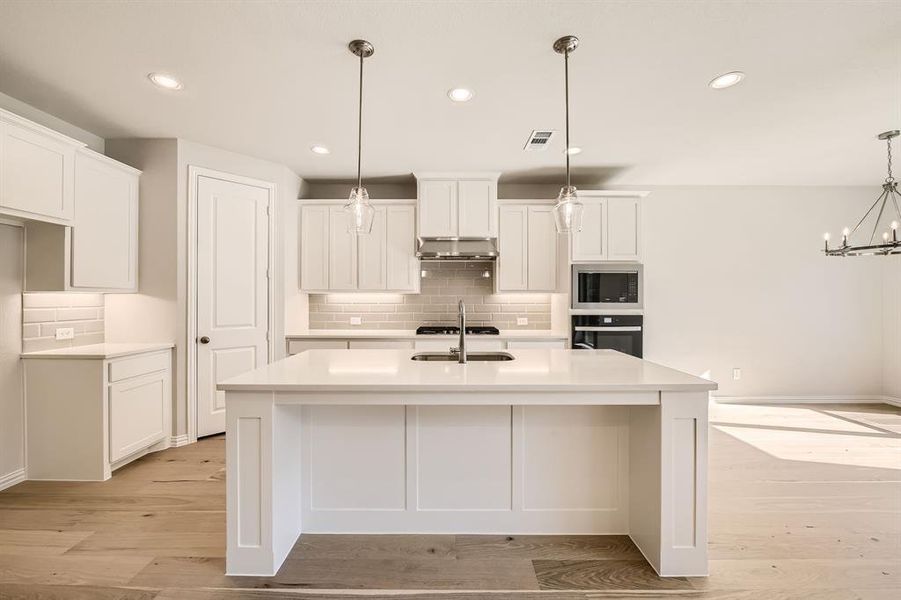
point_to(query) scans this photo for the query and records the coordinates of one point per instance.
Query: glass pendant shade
(568, 211)
(360, 211)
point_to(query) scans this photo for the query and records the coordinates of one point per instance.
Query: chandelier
(889, 199)
(359, 209)
(568, 209)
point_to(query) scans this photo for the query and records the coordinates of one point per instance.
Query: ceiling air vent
(539, 140)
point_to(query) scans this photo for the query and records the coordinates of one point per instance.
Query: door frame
(194, 175)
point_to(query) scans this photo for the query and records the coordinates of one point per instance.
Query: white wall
(891, 333)
(159, 311)
(735, 278)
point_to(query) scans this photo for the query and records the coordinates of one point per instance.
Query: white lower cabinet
(527, 248)
(380, 344)
(535, 344)
(333, 260)
(89, 416)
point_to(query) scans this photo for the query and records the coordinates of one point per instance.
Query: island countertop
(539, 370)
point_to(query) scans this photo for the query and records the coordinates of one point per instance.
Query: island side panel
(683, 439)
(262, 482)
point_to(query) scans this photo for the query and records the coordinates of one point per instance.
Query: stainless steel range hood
(457, 249)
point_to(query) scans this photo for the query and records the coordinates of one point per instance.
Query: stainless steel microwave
(607, 285)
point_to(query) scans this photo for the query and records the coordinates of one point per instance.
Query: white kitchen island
(553, 442)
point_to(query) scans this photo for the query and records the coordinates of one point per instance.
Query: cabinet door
(542, 250)
(476, 201)
(590, 243)
(342, 252)
(137, 413)
(314, 247)
(105, 231)
(513, 251)
(36, 175)
(403, 266)
(372, 255)
(438, 208)
(623, 229)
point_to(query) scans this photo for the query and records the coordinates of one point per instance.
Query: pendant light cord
(360, 129)
(566, 85)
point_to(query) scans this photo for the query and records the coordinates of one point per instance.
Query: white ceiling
(270, 79)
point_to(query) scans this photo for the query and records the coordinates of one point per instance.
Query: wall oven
(602, 286)
(608, 332)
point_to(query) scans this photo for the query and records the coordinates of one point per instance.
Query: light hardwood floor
(805, 503)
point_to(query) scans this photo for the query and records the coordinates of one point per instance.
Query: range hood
(457, 249)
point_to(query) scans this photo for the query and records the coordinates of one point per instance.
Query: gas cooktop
(454, 330)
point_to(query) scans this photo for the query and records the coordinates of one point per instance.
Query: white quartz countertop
(107, 350)
(410, 334)
(542, 370)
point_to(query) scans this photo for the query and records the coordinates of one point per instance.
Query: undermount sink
(470, 356)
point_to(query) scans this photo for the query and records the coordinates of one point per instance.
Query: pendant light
(889, 243)
(360, 211)
(568, 210)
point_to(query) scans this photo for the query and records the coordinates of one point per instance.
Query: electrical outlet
(736, 374)
(65, 333)
(356, 320)
(522, 320)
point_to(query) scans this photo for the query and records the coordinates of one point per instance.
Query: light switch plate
(65, 333)
(522, 320)
(736, 374)
(356, 320)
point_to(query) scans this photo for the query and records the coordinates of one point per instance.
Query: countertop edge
(331, 334)
(91, 352)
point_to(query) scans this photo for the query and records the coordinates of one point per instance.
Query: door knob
(204, 340)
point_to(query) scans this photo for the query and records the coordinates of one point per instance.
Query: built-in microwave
(607, 285)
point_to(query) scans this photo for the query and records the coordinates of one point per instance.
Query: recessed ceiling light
(165, 81)
(574, 150)
(320, 150)
(460, 95)
(726, 80)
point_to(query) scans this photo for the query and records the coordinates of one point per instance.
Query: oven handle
(633, 328)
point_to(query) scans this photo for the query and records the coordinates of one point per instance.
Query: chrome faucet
(460, 350)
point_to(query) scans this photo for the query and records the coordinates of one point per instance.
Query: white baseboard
(11, 479)
(179, 440)
(806, 400)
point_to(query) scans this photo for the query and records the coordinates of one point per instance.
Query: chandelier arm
(894, 196)
(879, 218)
(864, 218)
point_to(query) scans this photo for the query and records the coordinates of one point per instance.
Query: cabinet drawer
(137, 413)
(138, 365)
(298, 346)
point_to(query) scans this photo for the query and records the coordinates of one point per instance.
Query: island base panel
(636, 470)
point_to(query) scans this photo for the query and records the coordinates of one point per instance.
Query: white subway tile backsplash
(443, 285)
(44, 313)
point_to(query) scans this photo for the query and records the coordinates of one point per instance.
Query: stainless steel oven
(608, 332)
(602, 286)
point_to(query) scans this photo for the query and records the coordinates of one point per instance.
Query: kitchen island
(551, 442)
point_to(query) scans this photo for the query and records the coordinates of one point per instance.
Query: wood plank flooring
(805, 503)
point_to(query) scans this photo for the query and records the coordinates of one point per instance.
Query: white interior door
(232, 289)
(12, 414)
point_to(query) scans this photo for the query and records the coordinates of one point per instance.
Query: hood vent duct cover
(471, 249)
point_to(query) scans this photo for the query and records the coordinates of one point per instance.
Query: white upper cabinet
(611, 228)
(314, 240)
(372, 256)
(37, 171)
(105, 232)
(332, 259)
(527, 248)
(438, 208)
(342, 249)
(403, 266)
(457, 204)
